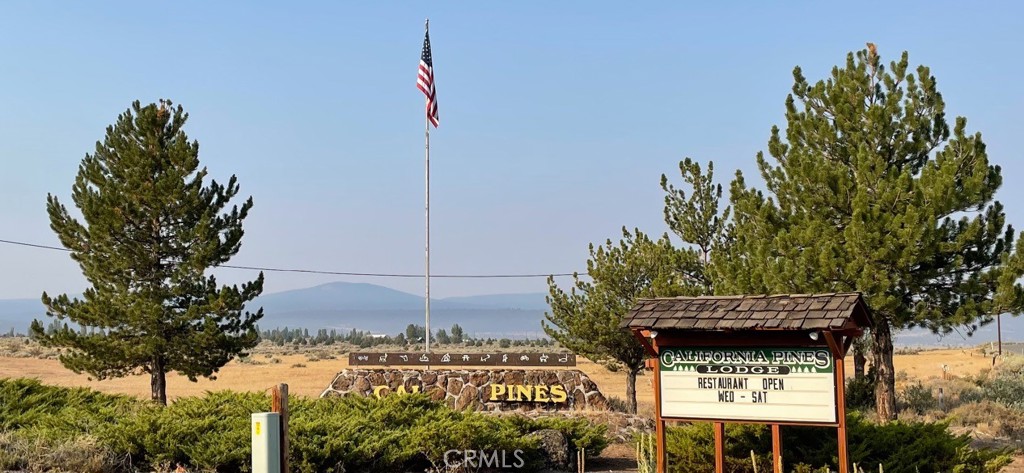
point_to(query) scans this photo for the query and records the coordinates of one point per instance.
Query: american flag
(425, 80)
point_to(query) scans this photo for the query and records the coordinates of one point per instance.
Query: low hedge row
(211, 433)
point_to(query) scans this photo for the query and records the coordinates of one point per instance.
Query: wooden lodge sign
(776, 360)
(789, 384)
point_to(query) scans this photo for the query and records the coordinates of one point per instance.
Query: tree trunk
(631, 390)
(885, 374)
(158, 381)
(859, 359)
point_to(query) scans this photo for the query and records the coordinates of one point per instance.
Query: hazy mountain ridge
(379, 309)
(527, 301)
(18, 314)
(363, 306)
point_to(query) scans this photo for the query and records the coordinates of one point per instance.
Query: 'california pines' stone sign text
(749, 384)
(491, 390)
(499, 392)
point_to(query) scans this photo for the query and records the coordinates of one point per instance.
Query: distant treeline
(52, 327)
(413, 334)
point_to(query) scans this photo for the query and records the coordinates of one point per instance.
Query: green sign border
(800, 360)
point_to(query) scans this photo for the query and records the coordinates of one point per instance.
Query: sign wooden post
(719, 447)
(776, 449)
(659, 424)
(775, 360)
(837, 349)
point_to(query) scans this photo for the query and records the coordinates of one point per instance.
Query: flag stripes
(425, 81)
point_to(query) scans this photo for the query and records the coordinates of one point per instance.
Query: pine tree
(415, 333)
(457, 334)
(586, 318)
(150, 229)
(870, 190)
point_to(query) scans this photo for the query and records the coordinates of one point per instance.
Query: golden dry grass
(259, 374)
(928, 364)
(309, 381)
(263, 372)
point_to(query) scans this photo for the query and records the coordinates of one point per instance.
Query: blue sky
(557, 119)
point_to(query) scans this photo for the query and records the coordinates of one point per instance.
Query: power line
(33, 245)
(337, 273)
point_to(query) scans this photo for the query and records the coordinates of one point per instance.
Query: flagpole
(426, 27)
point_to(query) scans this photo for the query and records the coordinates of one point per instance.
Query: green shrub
(404, 433)
(1006, 388)
(581, 433)
(1012, 364)
(210, 432)
(617, 404)
(27, 402)
(90, 431)
(971, 395)
(860, 393)
(898, 446)
(691, 448)
(990, 417)
(919, 446)
(916, 398)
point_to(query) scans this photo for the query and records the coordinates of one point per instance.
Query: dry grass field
(306, 375)
(309, 373)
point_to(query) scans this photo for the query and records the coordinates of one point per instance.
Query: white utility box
(266, 442)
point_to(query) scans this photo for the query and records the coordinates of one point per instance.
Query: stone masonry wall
(472, 389)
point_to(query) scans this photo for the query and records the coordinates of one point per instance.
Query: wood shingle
(833, 311)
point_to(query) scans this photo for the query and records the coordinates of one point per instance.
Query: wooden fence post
(279, 404)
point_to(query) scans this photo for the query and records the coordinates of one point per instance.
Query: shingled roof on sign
(832, 311)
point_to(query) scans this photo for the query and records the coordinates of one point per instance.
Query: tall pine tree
(586, 318)
(150, 230)
(869, 190)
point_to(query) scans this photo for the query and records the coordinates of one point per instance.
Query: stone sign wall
(491, 390)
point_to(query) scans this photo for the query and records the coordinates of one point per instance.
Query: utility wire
(338, 273)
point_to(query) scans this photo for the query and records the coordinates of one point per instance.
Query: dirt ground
(308, 375)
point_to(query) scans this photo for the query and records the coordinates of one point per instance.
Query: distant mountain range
(384, 310)
(18, 314)
(1013, 331)
(379, 309)
(370, 307)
